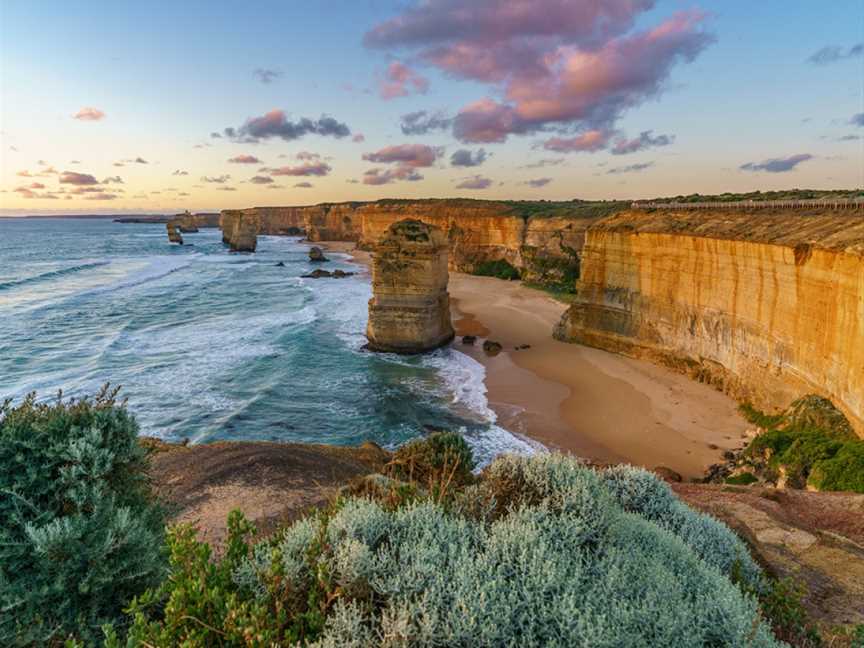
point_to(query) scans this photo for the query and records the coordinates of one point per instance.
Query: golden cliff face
(544, 249)
(766, 306)
(410, 309)
(240, 229)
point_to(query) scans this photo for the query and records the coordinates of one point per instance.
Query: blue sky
(730, 87)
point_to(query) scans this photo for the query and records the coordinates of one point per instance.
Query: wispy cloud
(423, 122)
(399, 80)
(538, 182)
(276, 124)
(266, 75)
(244, 159)
(220, 179)
(80, 179)
(631, 168)
(89, 114)
(834, 53)
(777, 165)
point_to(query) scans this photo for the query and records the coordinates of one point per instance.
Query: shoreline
(595, 404)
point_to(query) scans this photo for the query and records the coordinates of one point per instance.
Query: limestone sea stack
(240, 229)
(173, 235)
(410, 309)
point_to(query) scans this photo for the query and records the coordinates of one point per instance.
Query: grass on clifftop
(810, 445)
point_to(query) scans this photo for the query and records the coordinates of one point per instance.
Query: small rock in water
(316, 255)
(341, 273)
(469, 339)
(317, 274)
(492, 348)
(281, 264)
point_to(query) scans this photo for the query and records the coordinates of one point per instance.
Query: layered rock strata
(410, 309)
(240, 229)
(766, 306)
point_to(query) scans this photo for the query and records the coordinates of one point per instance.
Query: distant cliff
(542, 240)
(765, 305)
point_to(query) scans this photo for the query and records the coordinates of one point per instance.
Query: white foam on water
(154, 268)
(465, 379)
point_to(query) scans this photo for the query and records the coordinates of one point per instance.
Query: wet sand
(573, 398)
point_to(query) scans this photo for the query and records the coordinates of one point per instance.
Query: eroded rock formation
(410, 309)
(174, 235)
(240, 229)
(767, 306)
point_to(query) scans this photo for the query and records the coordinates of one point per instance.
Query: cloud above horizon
(834, 53)
(266, 75)
(406, 158)
(244, 159)
(276, 124)
(475, 182)
(777, 165)
(558, 64)
(631, 168)
(309, 168)
(423, 122)
(466, 158)
(536, 183)
(399, 80)
(89, 113)
(857, 120)
(79, 179)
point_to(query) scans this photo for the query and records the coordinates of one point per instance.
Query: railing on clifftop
(832, 203)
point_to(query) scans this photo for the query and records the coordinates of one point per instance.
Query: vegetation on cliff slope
(810, 445)
(540, 551)
(79, 534)
(501, 269)
(785, 194)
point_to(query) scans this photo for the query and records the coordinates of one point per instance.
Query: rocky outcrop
(240, 229)
(767, 306)
(174, 235)
(410, 309)
(316, 255)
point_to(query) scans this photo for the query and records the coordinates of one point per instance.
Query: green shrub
(754, 416)
(439, 461)
(79, 536)
(812, 443)
(842, 472)
(782, 606)
(553, 560)
(500, 269)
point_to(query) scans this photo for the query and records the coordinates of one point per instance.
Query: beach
(595, 404)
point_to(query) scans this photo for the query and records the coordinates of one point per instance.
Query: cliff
(542, 240)
(410, 309)
(766, 305)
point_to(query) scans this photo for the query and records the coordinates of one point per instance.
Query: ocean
(209, 345)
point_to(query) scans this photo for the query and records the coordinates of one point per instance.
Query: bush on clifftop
(541, 551)
(810, 444)
(79, 537)
(500, 269)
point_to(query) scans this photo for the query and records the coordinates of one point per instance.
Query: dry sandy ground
(582, 400)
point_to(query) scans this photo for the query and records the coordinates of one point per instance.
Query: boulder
(410, 308)
(492, 348)
(281, 264)
(316, 255)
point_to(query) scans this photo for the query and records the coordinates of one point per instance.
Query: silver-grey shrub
(570, 561)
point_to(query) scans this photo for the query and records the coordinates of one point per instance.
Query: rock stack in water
(173, 235)
(410, 309)
(240, 229)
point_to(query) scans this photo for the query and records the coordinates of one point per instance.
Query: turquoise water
(210, 345)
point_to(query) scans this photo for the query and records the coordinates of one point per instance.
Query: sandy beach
(573, 398)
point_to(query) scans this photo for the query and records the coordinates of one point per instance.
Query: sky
(158, 107)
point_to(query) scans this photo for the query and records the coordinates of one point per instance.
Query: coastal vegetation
(80, 533)
(810, 445)
(543, 550)
(786, 194)
(500, 269)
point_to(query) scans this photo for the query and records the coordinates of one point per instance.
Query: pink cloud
(412, 155)
(590, 141)
(244, 159)
(557, 63)
(400, 81)
(306, 169)
(359, 137)
(89, 114)
(81, 179)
